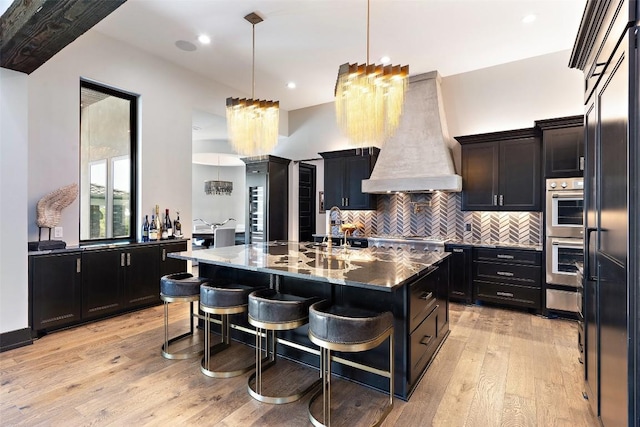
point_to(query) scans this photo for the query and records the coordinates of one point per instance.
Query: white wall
(13, 200)
(217, 208)
(513, 95)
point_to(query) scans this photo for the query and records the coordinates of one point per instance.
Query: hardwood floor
(497, 368)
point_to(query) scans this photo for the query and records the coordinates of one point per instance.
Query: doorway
(306, 202)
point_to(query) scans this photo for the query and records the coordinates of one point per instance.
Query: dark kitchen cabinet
(102, 282)
(56, 290)
(343, 174)
(119, 279)
(172, 265)
(267, 202)
(508, 277)
(501, 171)
(460, 285)
(562, 146)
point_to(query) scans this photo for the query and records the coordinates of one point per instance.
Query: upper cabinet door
(343, 174)
(562, 146)
(520, 175)
(501, 171)
(480, 176)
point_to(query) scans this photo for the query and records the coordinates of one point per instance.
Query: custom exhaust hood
(419, 157)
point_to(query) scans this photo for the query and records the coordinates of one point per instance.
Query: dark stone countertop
(373, 268)
(93, 246)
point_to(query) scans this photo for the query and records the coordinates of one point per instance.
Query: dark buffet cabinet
(71, 287)
(510, 277)
(343, 174)
(56, 290)
(501, 171)
(461, 285)
(562, 146)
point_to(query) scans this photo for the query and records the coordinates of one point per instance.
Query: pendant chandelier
(252, 124)
(217, 187)
(369, 99)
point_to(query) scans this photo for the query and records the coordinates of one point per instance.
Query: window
(108, 144)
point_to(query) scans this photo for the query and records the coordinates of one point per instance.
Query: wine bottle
(158, 223)
(168, 227)
(153, 229)
(177, 227)
(145, 229)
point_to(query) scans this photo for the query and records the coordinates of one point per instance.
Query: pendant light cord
(368, 8)
(253, 63)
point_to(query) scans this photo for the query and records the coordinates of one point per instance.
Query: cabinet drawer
(525, 275)
(422, 299)
(508, 256)
(522, 296)
(423, 344)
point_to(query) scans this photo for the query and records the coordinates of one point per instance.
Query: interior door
(306, 202)
(613, 235)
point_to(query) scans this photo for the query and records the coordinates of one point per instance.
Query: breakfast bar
(411, 284)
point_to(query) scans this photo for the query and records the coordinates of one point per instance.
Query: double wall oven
(564, 224)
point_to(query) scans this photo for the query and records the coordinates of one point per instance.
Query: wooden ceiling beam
(32, 31)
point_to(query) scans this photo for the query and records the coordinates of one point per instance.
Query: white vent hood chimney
(419, 156)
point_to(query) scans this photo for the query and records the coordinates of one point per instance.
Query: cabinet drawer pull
(502, 256)
(504, 273)
(164, 254)
(504, 294)
(78, 265)
(129, 258)
(501, 200)
(426, 296)
(122, 259)
(495, 200)
(426, 340)
(459, 251)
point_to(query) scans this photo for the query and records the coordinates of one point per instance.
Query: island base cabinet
(422, 345)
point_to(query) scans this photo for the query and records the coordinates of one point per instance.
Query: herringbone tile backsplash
(441, 216)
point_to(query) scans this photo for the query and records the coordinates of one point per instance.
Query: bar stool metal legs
(193, 350)
(271, 311)
(225, 342)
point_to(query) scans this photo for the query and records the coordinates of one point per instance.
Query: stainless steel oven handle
(571, 243)
(567, 195)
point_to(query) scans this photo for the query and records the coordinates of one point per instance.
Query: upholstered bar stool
(347, 329)
(224, 300)
(180, 287)
(271, 311)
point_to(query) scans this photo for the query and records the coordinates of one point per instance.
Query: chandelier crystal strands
(369, 99)
(253, 124)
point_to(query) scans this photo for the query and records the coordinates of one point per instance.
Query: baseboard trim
(15, 339)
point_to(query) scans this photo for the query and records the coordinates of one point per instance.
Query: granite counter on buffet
(412, 284)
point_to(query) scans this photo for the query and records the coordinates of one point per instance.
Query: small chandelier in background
(369, 99)
(253, 124)
(217, 187)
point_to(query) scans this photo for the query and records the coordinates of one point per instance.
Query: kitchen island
(412, 284)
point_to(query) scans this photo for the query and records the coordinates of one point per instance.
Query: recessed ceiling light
(528, 19)
(204, 39)
(385, 60)
(291, 85)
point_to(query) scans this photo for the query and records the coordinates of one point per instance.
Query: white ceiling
(305, 41)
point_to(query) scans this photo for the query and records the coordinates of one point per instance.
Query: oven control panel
(565, 184)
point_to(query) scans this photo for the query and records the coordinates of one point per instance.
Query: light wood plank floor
(497, 368)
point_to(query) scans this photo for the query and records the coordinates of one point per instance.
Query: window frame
(133, 167)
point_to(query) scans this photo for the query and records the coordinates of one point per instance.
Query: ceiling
(305, 41)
